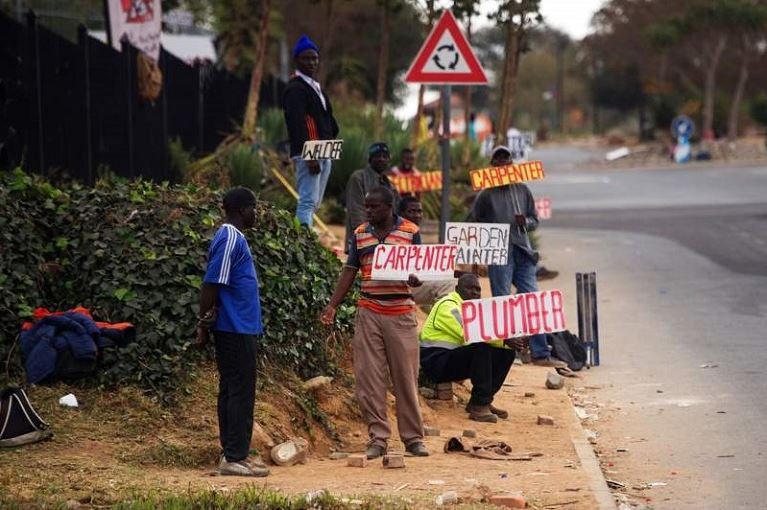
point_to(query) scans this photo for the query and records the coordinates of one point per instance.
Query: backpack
(19, 422)
(568, 348)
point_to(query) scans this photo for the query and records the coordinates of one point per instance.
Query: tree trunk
(467, 110)
(508, 83)
(251, 108)
(327, 41)
(710, 89)
(383, 64)
(737, 97)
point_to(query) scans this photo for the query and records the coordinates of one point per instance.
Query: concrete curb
(590, 465)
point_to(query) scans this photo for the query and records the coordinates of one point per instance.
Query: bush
(136, 252)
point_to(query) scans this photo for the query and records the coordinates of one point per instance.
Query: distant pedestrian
(514, 205)
(385, 329)
(230, 309)
(363, 180)
(406, 168)
(308, 116)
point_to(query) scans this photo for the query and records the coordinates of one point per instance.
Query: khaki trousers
(381, 342)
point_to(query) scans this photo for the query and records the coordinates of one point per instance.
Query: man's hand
(328, 315)
(518, 344)
(208, 319)
(413, 281)
(202, 337)
(314, 167)
(520, 219)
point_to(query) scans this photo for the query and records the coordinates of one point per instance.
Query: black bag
(568, 348)
(19, 422)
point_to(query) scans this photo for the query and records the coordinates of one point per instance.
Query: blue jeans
(311, 188)
(520, 271)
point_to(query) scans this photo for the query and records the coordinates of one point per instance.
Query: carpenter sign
(425, 181)
(479, 243)
(513, 316)
(543, 208)
(322, 149)
(426, 261)
(502, 175)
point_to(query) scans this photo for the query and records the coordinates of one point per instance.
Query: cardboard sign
(543, 208)
(426, 181)
(513, 316)
(138, 20)
(479, 243)
(502, 175)
(426, 261)
(322, 149)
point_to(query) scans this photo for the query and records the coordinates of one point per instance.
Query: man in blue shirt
(230, 307)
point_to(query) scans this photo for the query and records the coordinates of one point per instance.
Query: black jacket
(304, 115)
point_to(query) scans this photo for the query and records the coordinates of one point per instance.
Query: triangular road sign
(446, 58)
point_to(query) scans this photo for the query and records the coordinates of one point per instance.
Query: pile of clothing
(67, 345)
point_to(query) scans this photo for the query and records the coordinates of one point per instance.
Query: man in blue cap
(308, 116)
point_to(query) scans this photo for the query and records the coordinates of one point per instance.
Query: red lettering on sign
(533, 319)
(500, 324)
(544, 313)
(512, 303)
(556, 310)
(376, 260)
(390, 259)
(482, 333)
(468, 315)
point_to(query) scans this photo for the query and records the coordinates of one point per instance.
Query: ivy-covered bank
(136, 251)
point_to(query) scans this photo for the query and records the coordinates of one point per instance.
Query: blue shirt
(231, 267)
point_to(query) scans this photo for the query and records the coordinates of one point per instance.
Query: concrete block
(393, 460)
(545, 420)
(508, 500)
(430, 431)
(357, 460)
(469, 433)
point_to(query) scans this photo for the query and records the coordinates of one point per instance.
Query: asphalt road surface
(681, 262)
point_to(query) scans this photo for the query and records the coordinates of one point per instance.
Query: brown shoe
(549, 362)
(481, 413)
(500, 413)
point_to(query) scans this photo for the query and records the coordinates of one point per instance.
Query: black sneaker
(374, 451)
(545, 274)
(417, 450)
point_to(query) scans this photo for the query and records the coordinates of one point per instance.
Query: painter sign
(424, 181)
(479, 243)
(543, 208)
(138, 20)
(426, 261)
(322, 149)
(495, 176)
(513, 316)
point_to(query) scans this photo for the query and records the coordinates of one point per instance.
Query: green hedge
(136, 252)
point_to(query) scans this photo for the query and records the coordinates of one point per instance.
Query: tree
(251, 107)
(415, 134)
(466, 9)
(517, 17)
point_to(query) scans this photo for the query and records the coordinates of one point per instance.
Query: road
(681, 262)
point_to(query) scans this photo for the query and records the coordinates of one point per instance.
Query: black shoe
(500, 413)
(374, 451)
(545, 274)
(417, 450)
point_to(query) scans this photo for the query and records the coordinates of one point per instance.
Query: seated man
(445, 357)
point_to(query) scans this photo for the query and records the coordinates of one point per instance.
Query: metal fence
(73, 108)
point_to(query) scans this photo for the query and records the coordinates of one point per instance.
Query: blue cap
(304, 43)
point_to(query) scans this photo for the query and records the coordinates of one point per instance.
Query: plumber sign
(426, 261)
(513, 316)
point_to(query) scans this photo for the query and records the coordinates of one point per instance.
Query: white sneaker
(240, 468)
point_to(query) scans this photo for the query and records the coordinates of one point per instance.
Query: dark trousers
(236, 359)
(486, 367)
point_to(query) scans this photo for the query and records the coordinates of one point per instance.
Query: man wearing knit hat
(308, 116)
(363, 180)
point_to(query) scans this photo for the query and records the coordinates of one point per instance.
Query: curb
(590, 465)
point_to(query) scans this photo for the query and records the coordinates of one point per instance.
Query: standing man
(514, 204)
(446, 357)
(406, 168)
(308, 116)
(230, 307)
(363, 180)
(385, 330)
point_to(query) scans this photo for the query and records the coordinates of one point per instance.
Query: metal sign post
(444, 215)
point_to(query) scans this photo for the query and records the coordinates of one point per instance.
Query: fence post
(34, 35)
(200, 107)
(126, 53)
(163, 63)
(588, 323)
(82, 39)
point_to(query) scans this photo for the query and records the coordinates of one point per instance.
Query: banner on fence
(495, 176)
(479, 243)
(322, 149)
(426, 261)
(543, 208)
(425, 181)
(138, 20)
(513, 316)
